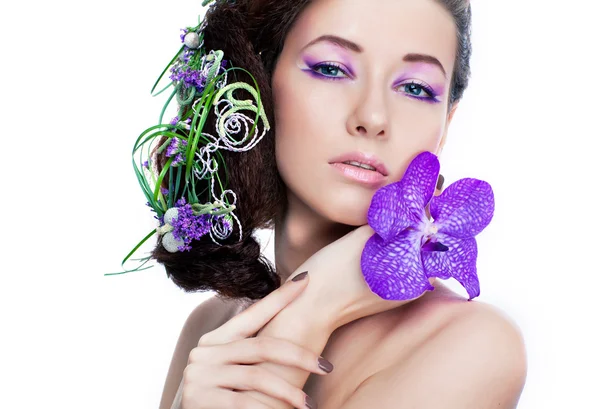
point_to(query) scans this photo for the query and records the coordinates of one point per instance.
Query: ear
(448, 120)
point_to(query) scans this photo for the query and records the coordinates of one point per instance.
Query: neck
(300, 233)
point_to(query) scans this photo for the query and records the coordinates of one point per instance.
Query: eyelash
(314, 69)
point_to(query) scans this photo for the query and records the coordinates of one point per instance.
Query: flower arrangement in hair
(182, 165)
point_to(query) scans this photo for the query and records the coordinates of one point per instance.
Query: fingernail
(325, 365)
(300, 276)
(311, 404)
(440, 182)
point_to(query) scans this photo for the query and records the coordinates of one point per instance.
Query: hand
(337, 284)
(224, 360)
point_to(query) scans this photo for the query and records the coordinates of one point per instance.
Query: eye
(418, 90)
(329, 70)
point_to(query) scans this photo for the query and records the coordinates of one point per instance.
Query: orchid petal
(393, 270)
(436, 264)
(464, 209)
(400, 205)
(459, 262)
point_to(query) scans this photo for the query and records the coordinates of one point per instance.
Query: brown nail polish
(440, 182)
(325, 365)
(310, 404)
(300, 276)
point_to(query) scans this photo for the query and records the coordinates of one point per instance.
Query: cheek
(416, 128)
(423, 138)
(307, 125)
(292, 138)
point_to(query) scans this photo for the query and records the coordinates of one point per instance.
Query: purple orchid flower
(409, 248)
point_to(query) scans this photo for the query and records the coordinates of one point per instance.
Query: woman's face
(360, 77)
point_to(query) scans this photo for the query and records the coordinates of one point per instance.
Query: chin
(355, 220)
(350, 210)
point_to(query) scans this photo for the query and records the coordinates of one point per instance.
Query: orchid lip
(434, 246)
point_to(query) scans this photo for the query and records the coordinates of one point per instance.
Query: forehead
(385, 29)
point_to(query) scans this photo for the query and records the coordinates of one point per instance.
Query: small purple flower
(176, 148)
(187, 55)
(164, 191)
(145, 164)
(187, 226)
(189, 76)
(179, 159)
(174, 120)
(408, 248)
(154, 211)
(182, 35)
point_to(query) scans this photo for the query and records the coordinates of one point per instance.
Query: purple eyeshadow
(311, 62)
(427, 89)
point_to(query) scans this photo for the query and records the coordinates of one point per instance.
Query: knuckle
(301, 356)
(197, 354)
(296, 353)
(204, 340)
(187, 376)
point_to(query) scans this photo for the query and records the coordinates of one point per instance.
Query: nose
(369, 117)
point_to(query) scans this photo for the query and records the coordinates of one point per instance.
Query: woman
(376, 81)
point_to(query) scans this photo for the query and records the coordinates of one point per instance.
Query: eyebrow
(349, 45)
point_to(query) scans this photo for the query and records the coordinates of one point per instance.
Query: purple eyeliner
(431, 92)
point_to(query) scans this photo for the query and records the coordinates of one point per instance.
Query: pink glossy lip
(362, 157)
(367, 177)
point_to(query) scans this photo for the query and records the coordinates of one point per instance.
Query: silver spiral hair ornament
(230, 121)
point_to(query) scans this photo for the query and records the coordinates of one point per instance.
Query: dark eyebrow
(339, 41)
(342, 42)
(428, 59)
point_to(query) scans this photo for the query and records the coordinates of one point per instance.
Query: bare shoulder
(207, 316)
(210, 315)
(481, 341)
(475, 358)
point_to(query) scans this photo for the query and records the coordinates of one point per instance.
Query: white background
(75, 94)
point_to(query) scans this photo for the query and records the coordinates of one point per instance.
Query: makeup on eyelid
(337, 59)
(419, 69)
(310, 61)
(437, 90)
(416, 69)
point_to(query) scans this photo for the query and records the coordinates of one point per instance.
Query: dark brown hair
(251, 34)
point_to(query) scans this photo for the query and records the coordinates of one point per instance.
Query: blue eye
(419, 91)
(328, 71)
(332, 71)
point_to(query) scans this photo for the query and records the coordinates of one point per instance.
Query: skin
(371, 110)
(324, 228)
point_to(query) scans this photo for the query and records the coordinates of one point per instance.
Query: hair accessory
(199, 83)
(408, 248)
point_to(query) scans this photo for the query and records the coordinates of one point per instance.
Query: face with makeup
(368, 77)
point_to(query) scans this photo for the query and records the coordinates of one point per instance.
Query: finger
(219, 398)
(250, 321)
(263, 349)
(255, 378)
(245, 401)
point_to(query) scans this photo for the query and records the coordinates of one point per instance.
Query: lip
(366, 177)
(362, 157)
